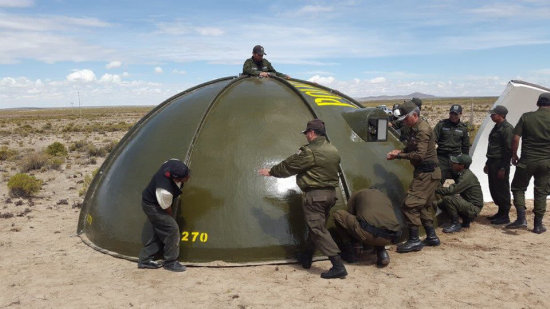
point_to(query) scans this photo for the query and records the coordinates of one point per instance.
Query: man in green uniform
(497, 167)
(469, 202)
(452, 138)
(533, 128)
(258, 66)
(420, 151)
(370, 220)
(316, 166)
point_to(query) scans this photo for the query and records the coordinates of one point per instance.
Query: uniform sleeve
(437, 131)
(164, 198)
(421, 150)
(518, 130)
(507, 137)
(295, 164)
(466, 140)
(455, 188)
(248, 68)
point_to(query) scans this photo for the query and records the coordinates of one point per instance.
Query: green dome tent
(226, 130)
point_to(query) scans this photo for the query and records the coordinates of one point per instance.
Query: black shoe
(497, 215)
(305, 259)
(174, 266)
(453, 228)
(348, 254)
(539, 227)
(338, 269)
(431, 238)
(413, 243)
(382, 256)
(501, 220)
(466, 222)
(520, 221)
(149, 264)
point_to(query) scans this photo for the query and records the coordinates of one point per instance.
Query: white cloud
(378, 80)
(125, 74)
(210, 31)
(16, 3)
(113, 64)
(82, 76)
(158, 70)
(110, 78)
(327, 81)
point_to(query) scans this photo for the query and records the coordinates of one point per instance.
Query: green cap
(405, 109)
(462, 158)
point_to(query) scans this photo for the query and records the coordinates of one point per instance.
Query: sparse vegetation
(23, 185)
(56, 149)
(7, 153)
(33, 161)
(87, 181)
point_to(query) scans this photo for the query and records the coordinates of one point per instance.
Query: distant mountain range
(396, 97)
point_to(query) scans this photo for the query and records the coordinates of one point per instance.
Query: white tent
(519, 97)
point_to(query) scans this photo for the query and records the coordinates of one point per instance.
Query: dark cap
(258, 49)
(417, 101)
(544, 99)
(462, 158)
(499, 110)
(457, 109)
(315, 124)
(405, 109)
(175, 169)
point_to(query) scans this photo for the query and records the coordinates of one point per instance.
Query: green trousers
(417, 207)
(316, 206)
(456, 206)
(348, 226)
(540, 170)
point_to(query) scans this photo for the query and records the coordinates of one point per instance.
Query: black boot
(497, 215)
(382, 256)
(305, 258)
(539, 227)
(520, 221)
(453, 227)
(503, 219)
(465, 221)
(413, 243)
(337, 271)
(431, 238)
(174, 266)
(348, 253)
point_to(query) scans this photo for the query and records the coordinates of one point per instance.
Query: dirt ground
(44, 264)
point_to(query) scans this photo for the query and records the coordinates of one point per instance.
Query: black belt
(322, 188)
(393, 236)
(426, 167)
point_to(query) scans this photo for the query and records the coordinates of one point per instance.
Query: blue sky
(143, 52)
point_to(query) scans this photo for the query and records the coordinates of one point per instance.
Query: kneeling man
(369, 219)
(469, 201)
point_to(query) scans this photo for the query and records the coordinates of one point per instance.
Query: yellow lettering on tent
(89, 219)
(194, 236)
(322, 97)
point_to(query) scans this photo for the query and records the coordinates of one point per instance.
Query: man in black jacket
(161, 232)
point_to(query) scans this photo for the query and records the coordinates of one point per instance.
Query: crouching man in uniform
(316, 166)
(158, 201)
(370, 220)
(470, 200)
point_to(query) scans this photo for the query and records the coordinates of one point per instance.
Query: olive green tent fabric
(225, 130)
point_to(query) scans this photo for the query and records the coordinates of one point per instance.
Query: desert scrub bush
(56, 149)
(34, 161)
(55, 162)
(86, 184)
(6, 153)
(47, 126)
(111, 144)
(94, 151)
(23, 185)
(79, 145)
